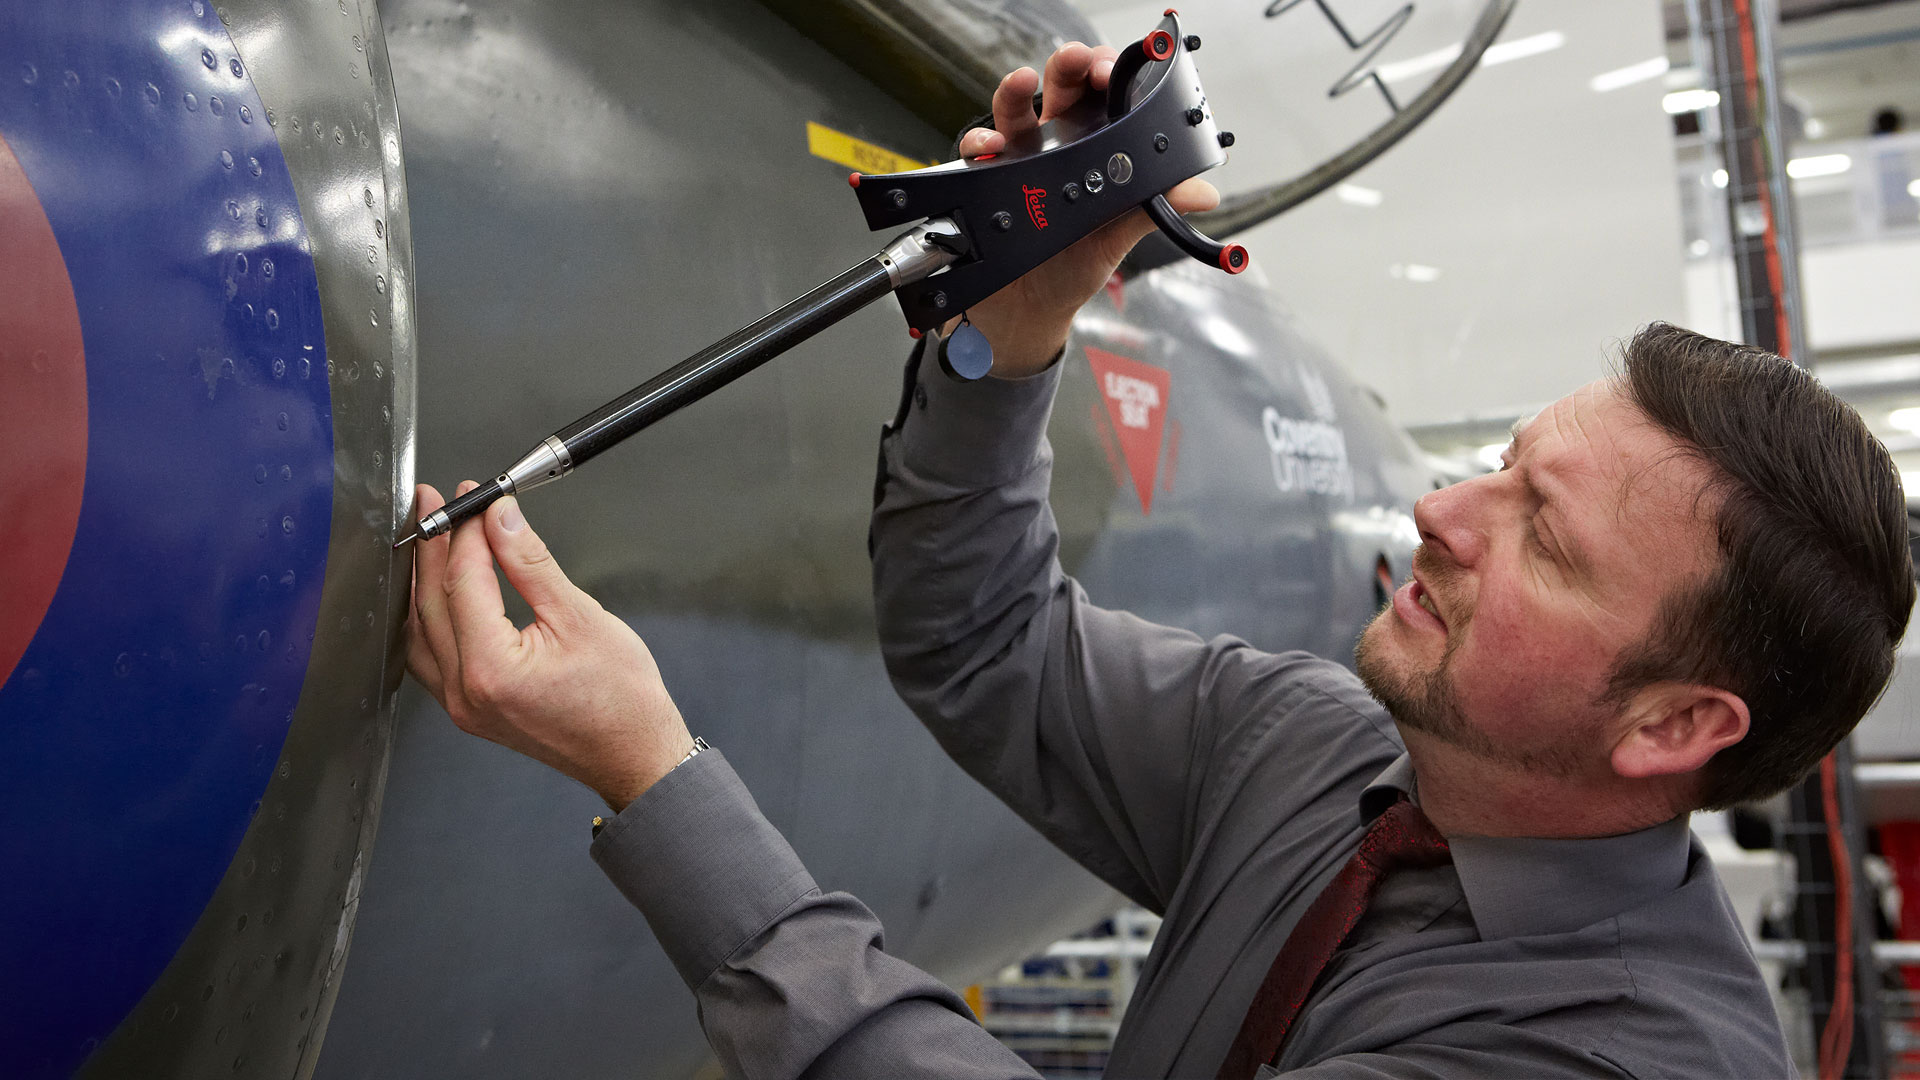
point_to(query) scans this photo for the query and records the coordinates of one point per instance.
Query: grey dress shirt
(1209, 781)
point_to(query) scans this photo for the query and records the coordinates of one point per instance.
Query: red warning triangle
(1136, 397)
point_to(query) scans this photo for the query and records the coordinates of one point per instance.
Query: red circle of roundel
(43, 412)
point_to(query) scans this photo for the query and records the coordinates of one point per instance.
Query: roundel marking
(142, 719)
(43, 412)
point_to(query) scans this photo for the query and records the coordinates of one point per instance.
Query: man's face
(1529, 583)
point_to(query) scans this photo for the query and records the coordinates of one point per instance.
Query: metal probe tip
(405, 540)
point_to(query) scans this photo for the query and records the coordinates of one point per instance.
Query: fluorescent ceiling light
(1686, 101)
(1907, 420)
(1356, 195)
(1627, 76)
(1913, 189)
(1414, 272)
(1819, 165)
(1402, 70)
(1504, 51)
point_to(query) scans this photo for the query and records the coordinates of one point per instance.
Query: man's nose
(1452, 521)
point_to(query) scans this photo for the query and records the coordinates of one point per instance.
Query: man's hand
(576, 690)
(1027, 321)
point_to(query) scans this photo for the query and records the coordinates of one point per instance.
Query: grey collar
(1522, 886)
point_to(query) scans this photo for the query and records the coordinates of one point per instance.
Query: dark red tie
(1400, 838)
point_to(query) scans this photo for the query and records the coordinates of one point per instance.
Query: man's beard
(1420, 701)
(1429, 702)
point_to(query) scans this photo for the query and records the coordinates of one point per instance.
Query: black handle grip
(1229, 257)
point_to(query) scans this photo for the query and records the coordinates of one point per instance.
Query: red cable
(1771, 240)
(1836, 1042)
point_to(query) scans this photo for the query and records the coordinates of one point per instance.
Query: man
(1683, 587)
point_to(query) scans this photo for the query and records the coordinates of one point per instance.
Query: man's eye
(1534, 537)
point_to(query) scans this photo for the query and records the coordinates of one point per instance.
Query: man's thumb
(529, 566)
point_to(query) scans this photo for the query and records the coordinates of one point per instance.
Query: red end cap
(1234, 258)
(853, 179)
(913, 332)
(1159, 45)
(1169, 13)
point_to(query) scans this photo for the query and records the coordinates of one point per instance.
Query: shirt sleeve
(789, 981)
(1496, 1051)
(1102, 730)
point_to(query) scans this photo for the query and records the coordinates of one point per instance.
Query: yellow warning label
(857, 154)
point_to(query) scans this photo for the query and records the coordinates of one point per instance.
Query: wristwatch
(699, 744)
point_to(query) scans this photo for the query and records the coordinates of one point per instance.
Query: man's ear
(1674, 728)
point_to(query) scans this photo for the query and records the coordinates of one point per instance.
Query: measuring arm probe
(982, 224)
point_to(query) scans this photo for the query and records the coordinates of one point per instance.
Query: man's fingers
(474, 604)
(1066, 79)
(1013, 103)
(422, 664)
(1100, 76)
(981, 141)
(529, 566)
(1193, 194)
(429, 618)
(1117, 237)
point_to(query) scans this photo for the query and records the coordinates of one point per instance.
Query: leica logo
(1036, 205)
(1137, 398)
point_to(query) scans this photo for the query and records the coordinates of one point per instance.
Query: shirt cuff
(976, 434)
(701, 862)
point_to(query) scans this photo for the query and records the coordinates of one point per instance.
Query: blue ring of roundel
(142, 724)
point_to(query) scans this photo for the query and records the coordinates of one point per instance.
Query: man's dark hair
(1815, 580)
